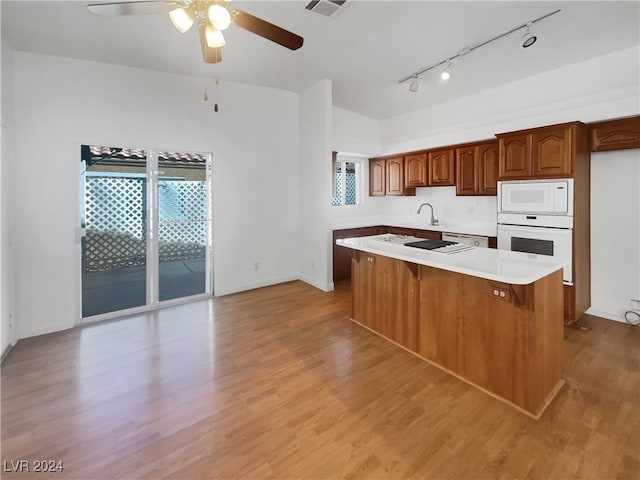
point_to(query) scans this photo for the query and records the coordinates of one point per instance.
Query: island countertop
(499, 265)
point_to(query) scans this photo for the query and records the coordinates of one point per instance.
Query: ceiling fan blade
(132, 8)
(266, 30)
(209, 54)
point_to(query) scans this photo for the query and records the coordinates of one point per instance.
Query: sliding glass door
(146, 228)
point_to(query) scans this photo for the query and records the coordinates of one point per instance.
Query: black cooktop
(430, 244)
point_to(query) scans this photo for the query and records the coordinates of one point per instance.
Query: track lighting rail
(468, 50)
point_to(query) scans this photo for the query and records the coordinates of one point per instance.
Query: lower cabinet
(342, 256)
(385, 297)
(508, 344)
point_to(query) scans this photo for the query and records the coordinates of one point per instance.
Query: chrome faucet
(434, 221)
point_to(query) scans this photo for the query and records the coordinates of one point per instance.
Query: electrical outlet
(635, 304)
(471, 210)
(256, 266)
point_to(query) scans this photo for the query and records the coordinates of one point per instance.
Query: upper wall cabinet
(377, 178)
(545, 152)
(442, 167)
(387, 177)
(415, 170)
(615, 134)
(477, 169)
(395, 176)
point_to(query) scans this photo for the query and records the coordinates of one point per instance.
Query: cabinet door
(395, 176)
(377, 181)
(442, 168)
(615, 134)
(415, 170)
(487, 163)
(515, 156)
(342, 255)
(466, 171)
(551, 152)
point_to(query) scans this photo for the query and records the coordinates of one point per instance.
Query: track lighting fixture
(527, 40)
(446, 73)
(413, 87)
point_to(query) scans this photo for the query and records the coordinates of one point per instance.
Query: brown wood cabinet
(508, 343)
(415, 170)
(386, 177)
(342, 255)
(442, 167)
(514, 155)
(395, 176)
(377, 177)
(619, 134)
(477, 169)
(385, 297)
(545, 152)
(552, 151)
(430, 234)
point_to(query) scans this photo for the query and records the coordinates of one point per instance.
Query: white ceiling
(364, 50)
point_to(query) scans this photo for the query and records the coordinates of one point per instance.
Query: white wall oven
(536, 216)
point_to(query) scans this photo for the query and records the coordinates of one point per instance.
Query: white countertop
(466, 227)
(499, 265)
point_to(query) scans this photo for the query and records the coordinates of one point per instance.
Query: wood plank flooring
(278, 383)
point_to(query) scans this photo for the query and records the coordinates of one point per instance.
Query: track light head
(528, 38)
(446, 73)
(413, 87)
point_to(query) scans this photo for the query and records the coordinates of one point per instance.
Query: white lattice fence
(116, 225)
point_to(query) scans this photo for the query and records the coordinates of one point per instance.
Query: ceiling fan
(212, 17)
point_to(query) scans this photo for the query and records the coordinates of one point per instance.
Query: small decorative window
(346, 182)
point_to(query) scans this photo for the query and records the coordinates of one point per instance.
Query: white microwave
(545, 197)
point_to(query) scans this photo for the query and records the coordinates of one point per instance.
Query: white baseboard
(44, 331)
(6, 352)
(325, 287)
(606, 315)
(218, 292)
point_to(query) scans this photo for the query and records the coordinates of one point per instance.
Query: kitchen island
(492, 318)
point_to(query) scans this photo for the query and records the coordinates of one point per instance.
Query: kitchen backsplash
(446, 206)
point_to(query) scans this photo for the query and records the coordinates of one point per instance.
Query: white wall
(316, 261)
(62, 103)
(7, 332)
(585, 91)
(615, 232)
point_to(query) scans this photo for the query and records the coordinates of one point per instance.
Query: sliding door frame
(153, 260)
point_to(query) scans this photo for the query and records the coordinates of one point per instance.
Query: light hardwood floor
(278, 383)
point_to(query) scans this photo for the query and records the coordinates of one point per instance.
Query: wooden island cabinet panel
(342, 255)
(385, 297)
(505, 339)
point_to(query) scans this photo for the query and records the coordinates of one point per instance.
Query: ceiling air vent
(327, 8)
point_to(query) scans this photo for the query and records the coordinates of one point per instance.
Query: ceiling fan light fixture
(214, 37)
(414, 85)
(182, 19)
(219, 17)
